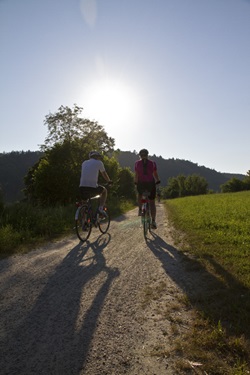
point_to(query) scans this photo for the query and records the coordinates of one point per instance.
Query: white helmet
(94, 153)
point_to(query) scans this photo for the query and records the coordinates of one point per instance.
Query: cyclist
(89, 178)
(146, 177)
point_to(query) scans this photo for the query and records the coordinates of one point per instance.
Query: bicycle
(146, 213)
(86, 218)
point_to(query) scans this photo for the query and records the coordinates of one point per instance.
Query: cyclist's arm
(136, 177)
(105, 176)
(156, 176)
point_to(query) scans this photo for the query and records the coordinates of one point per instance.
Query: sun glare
(112, 104)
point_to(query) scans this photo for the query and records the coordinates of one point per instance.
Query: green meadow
(213, 233)
(217, 225)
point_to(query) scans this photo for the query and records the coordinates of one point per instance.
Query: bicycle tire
(146, 223)
(83, 224)
(104, 222)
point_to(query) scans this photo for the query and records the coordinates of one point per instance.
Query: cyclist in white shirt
(89, 179)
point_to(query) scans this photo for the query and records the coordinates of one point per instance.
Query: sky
(172, 76)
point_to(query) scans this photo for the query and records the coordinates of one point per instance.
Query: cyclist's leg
(103, 195)
(140, 190)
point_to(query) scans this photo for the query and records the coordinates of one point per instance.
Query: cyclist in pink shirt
(146, 177)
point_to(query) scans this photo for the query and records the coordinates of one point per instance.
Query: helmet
(143, 152)
(94, 154)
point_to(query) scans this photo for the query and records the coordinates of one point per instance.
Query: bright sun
(112, 104)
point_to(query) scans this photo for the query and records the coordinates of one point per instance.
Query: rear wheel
(146, 222)
(104, 221)
(83, 224)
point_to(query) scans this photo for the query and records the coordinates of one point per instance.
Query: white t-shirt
(90, 172)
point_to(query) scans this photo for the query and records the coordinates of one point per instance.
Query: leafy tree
(182, 186)
(126, 187)
(172, 188)
(196, 185)
(66, 126)
(233, 185)
(55, 178)
(246, 180)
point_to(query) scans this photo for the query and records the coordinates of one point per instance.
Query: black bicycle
(86, 218)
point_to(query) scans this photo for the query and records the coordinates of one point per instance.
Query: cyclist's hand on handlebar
(158, 182)
(110, 182)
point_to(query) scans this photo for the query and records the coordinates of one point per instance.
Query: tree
(196, 185)
(172, 188)
(233, 185)
(182, 186)
(126, 186)
(246, 181)
(55, 178)
(66, 126)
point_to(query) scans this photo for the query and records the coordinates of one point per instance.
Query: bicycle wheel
(104, 221)
(83, 224)
(146, 222)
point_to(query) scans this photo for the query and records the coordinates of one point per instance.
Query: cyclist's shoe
(102, 212)
(139, 212)
(85, 227)
(153, 225)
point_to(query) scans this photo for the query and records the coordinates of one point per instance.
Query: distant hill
(15, 165)
(174, 167)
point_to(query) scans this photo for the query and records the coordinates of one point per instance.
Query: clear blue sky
(172, 76)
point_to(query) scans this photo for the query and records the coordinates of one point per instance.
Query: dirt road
(110, 306)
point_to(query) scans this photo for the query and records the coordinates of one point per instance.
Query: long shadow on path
(55, 337)
(218, 294)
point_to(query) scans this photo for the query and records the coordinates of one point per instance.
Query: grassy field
(216, 232)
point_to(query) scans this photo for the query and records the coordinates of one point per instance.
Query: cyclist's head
(143, 153)
(95, 155)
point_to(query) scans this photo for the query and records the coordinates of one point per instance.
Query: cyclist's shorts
(149, 186)
(90, 192)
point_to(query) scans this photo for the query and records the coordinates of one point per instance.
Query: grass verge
(217, 259)
(23, 226)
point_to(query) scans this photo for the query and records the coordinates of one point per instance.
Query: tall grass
(216, 232)
(22, 224)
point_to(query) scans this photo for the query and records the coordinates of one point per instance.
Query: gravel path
(110, 306)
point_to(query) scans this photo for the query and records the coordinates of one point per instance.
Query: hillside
(15, 165)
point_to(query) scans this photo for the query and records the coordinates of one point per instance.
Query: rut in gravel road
(109, 306)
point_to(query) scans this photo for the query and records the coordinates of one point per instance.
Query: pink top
(145, 173)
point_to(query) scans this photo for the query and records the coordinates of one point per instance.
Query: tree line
(54, 177)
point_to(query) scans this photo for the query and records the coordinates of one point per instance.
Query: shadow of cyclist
(55, 336)
(212, 293)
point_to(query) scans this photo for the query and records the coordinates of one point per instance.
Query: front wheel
(83, 224)
(104, 221)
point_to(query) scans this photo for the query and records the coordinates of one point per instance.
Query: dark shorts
(90, 192)
(149, 186)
